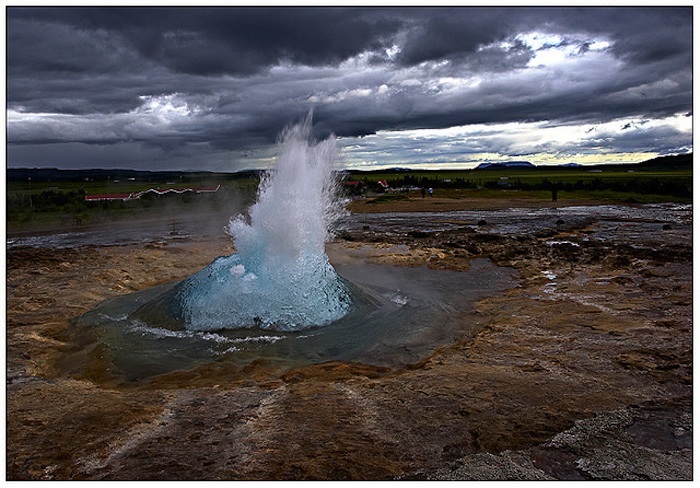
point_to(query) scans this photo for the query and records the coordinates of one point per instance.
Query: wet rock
(506, 466)
(625, 444)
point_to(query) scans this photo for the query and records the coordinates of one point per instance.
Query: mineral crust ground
(582, 371)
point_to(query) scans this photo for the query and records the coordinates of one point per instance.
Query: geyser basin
(278, 297)
(398, 315)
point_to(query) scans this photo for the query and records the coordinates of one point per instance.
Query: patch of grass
(389, 197)
(63, 206)
(610, 183)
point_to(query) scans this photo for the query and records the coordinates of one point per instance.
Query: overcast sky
(211, 88)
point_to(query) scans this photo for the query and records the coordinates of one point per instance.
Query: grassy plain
(53, 199)
(607, 184)
(51, 202)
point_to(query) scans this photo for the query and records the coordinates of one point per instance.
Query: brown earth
(582, 371)
(446, 204)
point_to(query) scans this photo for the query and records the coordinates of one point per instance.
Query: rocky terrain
(583, 370)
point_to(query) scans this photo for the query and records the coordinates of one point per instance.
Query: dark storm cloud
(227, 79)
(205, 41)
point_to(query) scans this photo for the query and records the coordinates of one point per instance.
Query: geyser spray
(280, 276)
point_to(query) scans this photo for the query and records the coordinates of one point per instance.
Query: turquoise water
(397, 315)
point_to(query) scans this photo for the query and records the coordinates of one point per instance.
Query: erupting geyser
(280, 276)
(263, 300)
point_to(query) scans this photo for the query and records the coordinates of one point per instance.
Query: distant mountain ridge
(55, 174)
(679, 161)
(506, 165)
(676, 161)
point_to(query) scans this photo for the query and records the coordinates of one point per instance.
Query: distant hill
(57, 175)
(680, 161)
(506, 165)
(677, 161)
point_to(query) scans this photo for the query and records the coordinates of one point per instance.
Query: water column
(280, 276)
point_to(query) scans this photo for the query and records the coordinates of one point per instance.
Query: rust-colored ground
(582, 371)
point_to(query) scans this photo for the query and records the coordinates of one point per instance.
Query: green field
(52, 199)
(668, 179)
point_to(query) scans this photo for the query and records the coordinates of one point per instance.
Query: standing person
(430, 191)
(422, 192)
